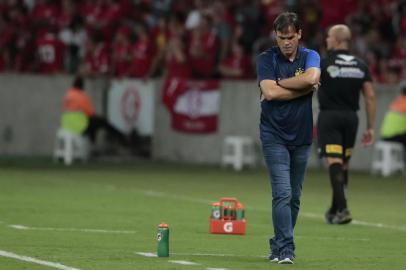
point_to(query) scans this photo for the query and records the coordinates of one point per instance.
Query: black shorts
(336, 133)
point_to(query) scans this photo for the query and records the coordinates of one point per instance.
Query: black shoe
(342, 217)
(329, 215)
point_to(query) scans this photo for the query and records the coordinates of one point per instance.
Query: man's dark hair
(78, 82)
(286, 19)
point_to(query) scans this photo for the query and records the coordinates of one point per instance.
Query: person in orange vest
(393, 127)
(76, 100)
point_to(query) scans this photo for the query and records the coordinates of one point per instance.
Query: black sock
(337, 183)
(345, 184)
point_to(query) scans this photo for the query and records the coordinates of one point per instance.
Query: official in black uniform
(343, 78)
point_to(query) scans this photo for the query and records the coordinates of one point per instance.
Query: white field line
(378, 225)
(150, 254)
(303, 214)
(147, 254)
(208, 254)
(37, 261)
(183, 262)
(23, 227)
(361, 223)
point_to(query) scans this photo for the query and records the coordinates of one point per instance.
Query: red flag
(194, 104)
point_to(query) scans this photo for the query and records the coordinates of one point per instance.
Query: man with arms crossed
(343, 77)
(287, 75)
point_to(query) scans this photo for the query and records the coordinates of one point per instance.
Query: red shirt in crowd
(335, 12)
(175, 68)
(176, 59)
(97, 60)
(44, 12)
(100, 16)
(68, 11)
(204, 63)
(143, 52)
(121, 59)
(50, 52)
(270, 11)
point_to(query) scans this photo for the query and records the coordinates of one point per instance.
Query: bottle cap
(163, 225)
(240, 205)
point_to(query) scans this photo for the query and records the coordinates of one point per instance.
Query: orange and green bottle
(163, 240)
(240, 211)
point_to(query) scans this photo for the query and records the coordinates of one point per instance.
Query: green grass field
(100, 216)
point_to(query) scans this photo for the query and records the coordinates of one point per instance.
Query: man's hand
(368, 137)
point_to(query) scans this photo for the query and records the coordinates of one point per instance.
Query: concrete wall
(30, 108)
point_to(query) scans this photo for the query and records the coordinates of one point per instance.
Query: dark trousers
(398, 138)
(96, 123)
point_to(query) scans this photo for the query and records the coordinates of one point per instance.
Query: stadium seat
(238, 151)
(70, 144)
(388, 158)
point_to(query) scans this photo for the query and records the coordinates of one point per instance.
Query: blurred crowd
(187, 38)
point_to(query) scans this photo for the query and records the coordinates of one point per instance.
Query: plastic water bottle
(163, 240)
(240, 211)
(216, 210)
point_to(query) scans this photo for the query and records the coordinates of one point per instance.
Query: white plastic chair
(238, 151)
(388, 158)
(70, 144)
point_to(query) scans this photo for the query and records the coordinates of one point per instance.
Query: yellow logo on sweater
(299, 71)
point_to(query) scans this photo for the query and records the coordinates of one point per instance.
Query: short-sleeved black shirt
(342, 77)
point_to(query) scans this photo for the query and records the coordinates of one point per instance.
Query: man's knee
(296, 195)
(281, 196)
